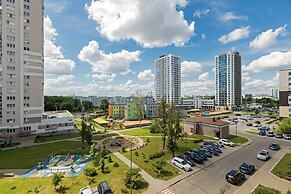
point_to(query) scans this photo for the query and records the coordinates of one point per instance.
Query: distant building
(191, 103)
(116, 111)
(168, 78)
(248, 96)
(275, 93)
(150, 107)
(208, 104)
(131, 111)
(285, 92)
(207, 126)
(228, 80)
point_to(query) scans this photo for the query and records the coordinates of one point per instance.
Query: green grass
(237, 139)
(27, 157)
(40, 139)
(283, 168)
(139, 132)
(199, 136)
(100, 137)
(260, 189)
(153, 146)
(253, 131)
(114, 179)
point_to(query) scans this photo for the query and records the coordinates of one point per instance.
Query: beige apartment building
(21, 67)
(285, 92)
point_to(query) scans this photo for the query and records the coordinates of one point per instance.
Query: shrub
(122, 149)
(136, 153)
(156, 155)
(90, 172)
(197, 140)
(115, 164)
(110, 159)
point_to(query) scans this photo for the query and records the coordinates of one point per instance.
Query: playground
(70, 165)
(127, 142)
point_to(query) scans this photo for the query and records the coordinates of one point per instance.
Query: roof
(101, 121)
(58, 114)
(209, 121)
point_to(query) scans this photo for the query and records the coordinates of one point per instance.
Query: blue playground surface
(70, 165)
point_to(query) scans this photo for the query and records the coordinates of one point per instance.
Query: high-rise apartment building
(168, 78)
(21, 66)
(228, 80)
(285, 92)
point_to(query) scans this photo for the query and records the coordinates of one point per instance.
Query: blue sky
(108, 47)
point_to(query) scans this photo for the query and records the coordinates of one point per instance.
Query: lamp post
(236, 132)
(130, 163)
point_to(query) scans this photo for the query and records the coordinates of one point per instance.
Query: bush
(122, 149)
(115, 164)
(136, 153)
(110, 159)
(91, 172)
(156, 155)
(197, 140)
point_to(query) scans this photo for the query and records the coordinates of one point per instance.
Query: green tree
(285, 126)
(132, 177)
(159, 165)
(139, 101)
(82, 127)
(162, 115)
(56, 179)
(102, 165)
(88, 132)
(155, 128)
(104, 105)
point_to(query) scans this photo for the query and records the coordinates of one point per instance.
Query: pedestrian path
(167, 191)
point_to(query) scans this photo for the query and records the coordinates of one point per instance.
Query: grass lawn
(114, 178)
(40, 139)
(199, 136)
(139, 132)
(100, 137)
(237, 139)
(283, 168)
(253, 131)
(260, 189)
(27, 157)
(153, 146)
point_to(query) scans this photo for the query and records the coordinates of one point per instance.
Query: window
(26, 48)
(26, 6)
(26, 21)
(26, 13)
(11, 1)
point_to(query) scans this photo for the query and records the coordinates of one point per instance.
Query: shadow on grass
(140, 184)
(164, 173)
(62, 189)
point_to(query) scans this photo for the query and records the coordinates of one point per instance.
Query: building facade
(228, 80)
(131, 111)
(285, 93)
(21, 66)
(168, 78)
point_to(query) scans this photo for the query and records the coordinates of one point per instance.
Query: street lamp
(130, 164)
(236, 132)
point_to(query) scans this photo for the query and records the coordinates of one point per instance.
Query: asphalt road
(212, 179)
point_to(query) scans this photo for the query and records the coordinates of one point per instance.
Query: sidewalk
(264, 176)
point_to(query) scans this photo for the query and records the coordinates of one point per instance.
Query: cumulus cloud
(152, 23)
(268, 38)
(198, 87)
(190, 67)
(146, 75)
(259, 86)
(103, 77)
(237, 34)
(199, 13)
(203, 76)
(271, 62)
(54, 60)
(56, 6)
(203, 36)
(230, 16)
(107, 63)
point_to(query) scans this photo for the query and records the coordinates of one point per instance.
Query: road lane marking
(167, 191)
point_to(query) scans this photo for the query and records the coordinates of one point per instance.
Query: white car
(257, 125)
(87, 190)
(179, 162)
(225, 142)
(287, 136)
(263, 155)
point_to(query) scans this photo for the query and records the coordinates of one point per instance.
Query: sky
(108, 47)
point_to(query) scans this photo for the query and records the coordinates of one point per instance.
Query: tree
(56, 179)
(162, 115)
(82, 127)
(159, 165)
(132, 177)
(155, 128)
(139, 101)
(285, 126)
(104, 105)
(88, 132)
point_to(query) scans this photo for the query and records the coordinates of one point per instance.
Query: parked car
(263, 155)
(200, 153)
(189, 160)
(197, 159)
(226, 142)
(87, 190)
(179, 162)
(103, 188)
(262, 133)
(270, 134)
(212, 150)
(247, 168)
(206, 152)
(279, 135)
(249, 124)
(235, 177)
(287, 136)
(274, 146)
(256, 125)
(258, 122)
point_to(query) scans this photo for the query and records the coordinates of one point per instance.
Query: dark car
(249, 124)
(258, 122)
(235, 177)
(212, 150)
(279, 135)
(189, 160)
(274, 146)
(103, 188)
(207, 153)
(262, 133)
(197, 159)
(270, 134)
(247, 168)
(200, 153)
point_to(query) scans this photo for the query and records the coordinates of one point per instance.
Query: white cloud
(203, 36)
(203, 76)
(54, 60)
(237, 34)
(111, 63)
(190, 67)
(268, 38)
(152, 23)
(146, 75)
(230, 16)
(103, 77)
(213, 69)
(56, 6)
(259, 86)
(199, 13)
(198, 87)
(271, 62)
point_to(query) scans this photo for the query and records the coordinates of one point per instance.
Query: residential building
(249, 96)
(285, 92)
(275, 93)
(168, 78)
(21, 67)
(132, 112)
(150, 107)
(116, 111)
(208, 104)
(191, 103)
(228, 80)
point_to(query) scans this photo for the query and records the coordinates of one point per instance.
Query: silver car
(263, 155)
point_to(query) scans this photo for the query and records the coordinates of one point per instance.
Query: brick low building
(207, 126)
